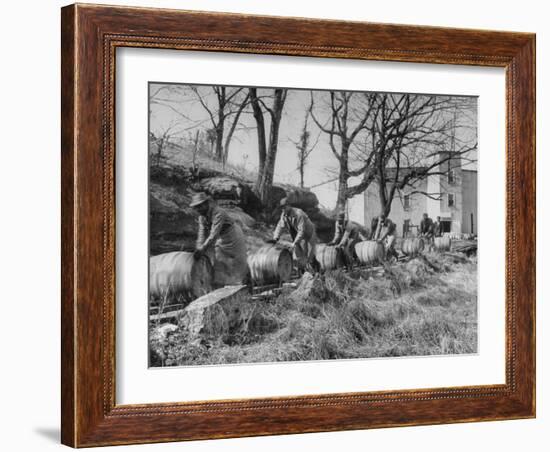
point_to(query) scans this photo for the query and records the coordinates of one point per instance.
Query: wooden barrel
(454, 235)
(412, 246)
(369, 252)
(180, 273)
(329, 257)
(442, 243)
(270, 264)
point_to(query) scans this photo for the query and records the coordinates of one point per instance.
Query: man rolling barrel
(427, 229)
(302, 232)
(385, 234)
(346, 235)
(222, 240)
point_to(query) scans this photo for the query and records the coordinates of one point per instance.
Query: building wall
(469, 201)
(454, 213)
(398, 214)
(463, 186)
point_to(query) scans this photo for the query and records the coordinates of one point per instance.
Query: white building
(451, 195)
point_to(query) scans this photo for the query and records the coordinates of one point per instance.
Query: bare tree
(348, 117)
(224, 114)
(304, 148)
(267, 148)
(414, 137)
(162, 138)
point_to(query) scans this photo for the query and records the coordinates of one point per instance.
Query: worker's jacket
(298, 225)
(387, 229)
(426, 226)
(223, 241)
(347, 233)
(438, 229)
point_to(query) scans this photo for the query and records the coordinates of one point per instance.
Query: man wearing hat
(346, 235)
(222, 240)
(427, 229)
(302, 232)
(386, 235)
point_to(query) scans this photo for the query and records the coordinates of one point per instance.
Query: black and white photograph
(294, 224)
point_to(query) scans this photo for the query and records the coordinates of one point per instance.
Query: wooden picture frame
(90, 36)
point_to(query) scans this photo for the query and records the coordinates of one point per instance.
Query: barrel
(369, 252)
(180, 273)
(453, 235)
(442, 243)
(412, 246)
(329, 257)
(270, 264)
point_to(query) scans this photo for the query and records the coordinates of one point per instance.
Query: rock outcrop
(216, 313)
(173, 224)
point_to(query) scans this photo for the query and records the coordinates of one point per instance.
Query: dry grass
(422, 307)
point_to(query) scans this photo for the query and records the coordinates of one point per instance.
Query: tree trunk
(386, 209)
(260, 129)
(269, 168)
(343, 177)
(341, 198)
(219, 141)
(265, 171)
(267, 177)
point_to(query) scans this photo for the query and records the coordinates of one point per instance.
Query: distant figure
(438, 227)
(195, 172)
(427, 229)
(346, 235)
(386, 235)
(302, 232)
(222, 240)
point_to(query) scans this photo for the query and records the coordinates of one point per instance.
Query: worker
(438, 227)
(427, 229)
(302, 232)
(426, 226)
(386, 234)
(346, 235)
(222, 240)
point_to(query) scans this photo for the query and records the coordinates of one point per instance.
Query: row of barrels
(181, 272)
(274, 263)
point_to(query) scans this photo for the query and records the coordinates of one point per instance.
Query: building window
(451, 177)
(450, 200)
(407, 202)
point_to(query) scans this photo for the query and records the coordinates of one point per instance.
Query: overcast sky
(177, 106)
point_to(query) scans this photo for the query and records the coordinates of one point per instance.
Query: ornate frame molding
(90, 37)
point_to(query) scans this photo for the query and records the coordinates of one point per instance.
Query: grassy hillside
(427, 306)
